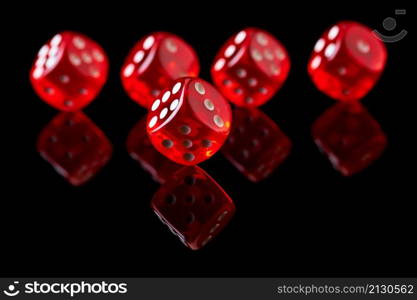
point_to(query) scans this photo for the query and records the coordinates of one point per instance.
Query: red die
(190, 122)
(256, 145)
(70, 71)
(347, 61)
(193, 206)
(251, 67)
(154, 63)
(349, 136)
(74, 146)
(140, 148)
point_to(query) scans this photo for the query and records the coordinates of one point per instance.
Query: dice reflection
(141, 149)
(74, 146)
(193, 206)
(349, 136)
(256, 145)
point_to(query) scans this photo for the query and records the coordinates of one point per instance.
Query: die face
(348, 135)
(251, 67)
(154, 63)
(190, 122)
(256, 145)
(69, 71)
(74, 146)
(193, 206)
(347, 61)
(141, 149)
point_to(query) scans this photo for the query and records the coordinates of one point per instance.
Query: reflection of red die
(70, 71)
(349, 136)
(189, 122)
(74, 146)
(193, 206)
(256, 145)
(251, 67)
(154, 63)
(140, 148)
(347, 61)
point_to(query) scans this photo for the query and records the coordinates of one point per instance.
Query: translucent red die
(69, 71)
(349, 136)
(256, 145)
(189, 122)
(74, 146)
(141, 149)
(193, 206)
(347, 61)
(154, 63)
(251, 67)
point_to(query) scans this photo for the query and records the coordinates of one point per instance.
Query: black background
(305, 220)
